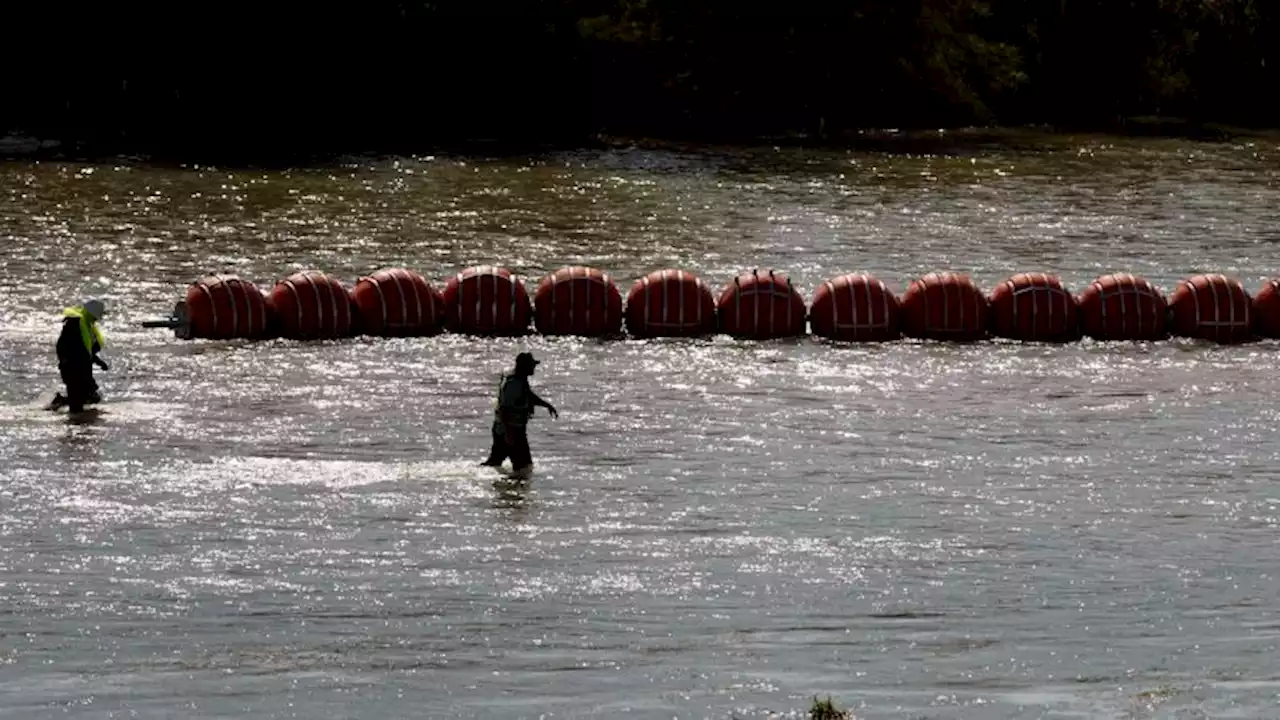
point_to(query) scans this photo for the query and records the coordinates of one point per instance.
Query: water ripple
(717, 528)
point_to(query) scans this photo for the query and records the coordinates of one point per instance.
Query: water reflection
(514, 496)
(922, 528)
(81, 442)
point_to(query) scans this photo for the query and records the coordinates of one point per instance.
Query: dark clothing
(75, 364)
(71, 349)
(511, 416)
(515, 400)
(512, 410)
(510, 441)
(82, 389)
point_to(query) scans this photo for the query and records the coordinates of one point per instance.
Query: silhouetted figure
(512, 410)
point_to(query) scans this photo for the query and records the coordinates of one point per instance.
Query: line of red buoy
(761, 304)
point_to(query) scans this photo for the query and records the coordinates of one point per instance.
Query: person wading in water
(78, 347)
(515, 404)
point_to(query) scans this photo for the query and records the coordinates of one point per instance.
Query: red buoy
(761, 305)
(577, 300)
(1034, 307)
(1266, 309)
(1211, 307)
(486, 300)
(1122, 306)
(222, 307)
(398, 303)
(944, 306)
(670, 303)
(310, 305)
(855, 307)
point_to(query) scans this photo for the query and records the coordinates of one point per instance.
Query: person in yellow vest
(515, 404)
(78, 347)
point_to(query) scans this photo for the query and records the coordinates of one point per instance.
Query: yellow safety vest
(89, 330)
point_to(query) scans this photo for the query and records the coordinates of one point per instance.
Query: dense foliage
(395, 74)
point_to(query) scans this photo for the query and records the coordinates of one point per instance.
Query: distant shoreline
(17, 145)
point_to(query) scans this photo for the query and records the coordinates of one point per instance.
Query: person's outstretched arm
(539, 402)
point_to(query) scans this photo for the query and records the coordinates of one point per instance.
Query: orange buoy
(670, 303)
(1266, 309)
(486, 300)
(1122, 306)
(310, 305)
(1211, 307)
(577, 300)
(398, 303)
(761, 305)
(1034, 307)
(856, 307)
(944, 306)
(222, 307)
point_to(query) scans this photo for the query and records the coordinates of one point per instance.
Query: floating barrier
(670, 303)
(1034, 307)
(398, 303)
(1211, 307)
(577, 300)
(1266, 309)
(761, 305)
(857, 308)
(311, 305)
(944, 306)
(488, 300)
(1123, 307)
(224, 307)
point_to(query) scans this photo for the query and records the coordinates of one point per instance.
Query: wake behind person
(512, 410)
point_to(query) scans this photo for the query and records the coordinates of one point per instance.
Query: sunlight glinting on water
(716, 527)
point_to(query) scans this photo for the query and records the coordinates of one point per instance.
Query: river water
(716, 529)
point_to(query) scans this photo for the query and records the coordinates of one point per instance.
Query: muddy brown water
(715, 528)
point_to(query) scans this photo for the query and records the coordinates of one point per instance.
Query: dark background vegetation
(251, 79)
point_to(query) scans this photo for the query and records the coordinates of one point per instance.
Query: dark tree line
(268, 77)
